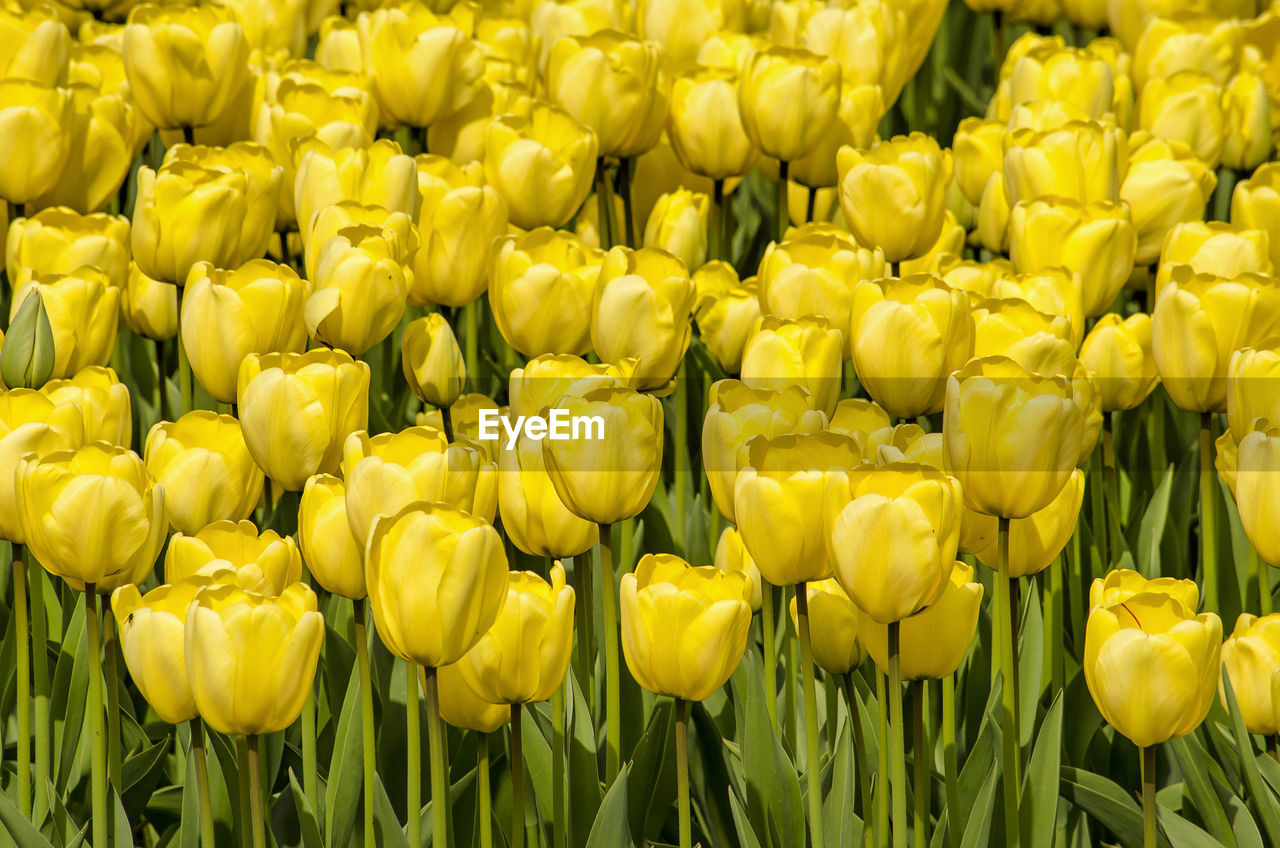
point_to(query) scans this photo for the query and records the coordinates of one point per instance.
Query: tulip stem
(625, 167)
(558, 833)
(189, 135)
(783, 214)
(255, 795)
(202, 782)
(413, 742)
(309, 772)
(112, 683)
(715, 224)
(770, 657)
(242, 776)
(471, 342)
(681, 459)
(813, 768)
(882, 759)
(162, 382)
(517, 778)
(810, 204)
(1264, 602)
(682, 771)
(184, 365)
(613, 696)
(950, 770)
(446, 419)
(440, 836)
(1208, 514)
(1053, 630)
(39, 674)
(486, 802)
(604, 205)
(920, 754)
(1008, 689)
(98, 757)
(24, 680)
(859, 753)
(897, 741)
(584, 609)
(366, 715)
(1148, 796)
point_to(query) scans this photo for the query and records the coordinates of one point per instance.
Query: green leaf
(1040, 784)
(386, 827)
(22, 831)
(306, 816)
(1203, 797)
(1182, 833)
(773, 787)
(1263, 802)
(344, 793)
(610, 828)
(121, 829)
(746, 836)
(982, 811)
(585, 793)
(1102, 799)
(537, 761)
(1030, 666)
(653, 772)
(1151, 528)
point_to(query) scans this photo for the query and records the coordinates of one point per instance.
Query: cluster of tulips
(911, 363)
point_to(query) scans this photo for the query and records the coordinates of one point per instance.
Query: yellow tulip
(360, 288)
(778, 500)
(545, 379)
(34, 44)
(832, 614)
(149, 307)
(185, 214)
(804, 352)
(379, 175)
(978, 155)
(906, 336)
(951, 238)
(263, 563)
(101, 133)
(458, 221)
(1258, 459)
(437, 580)
(387, 472)
(61, 240)
(102, 398)
(273, 25)
(1255, 204)
(332, 555)
(684, 629)
(91, 515)
(1128, 18)
(1120, 585)
(1198, 321)
(608, 478)
(83, 309)
(732, 557)
(1070, 75)
(1251, 654)
(207, 472)
(1036, 540)
(533, 516)
(227, 315)
(1079, 160)
(152, 639)
(1038, 342)
(31, 423)
(986, 401)
(705, 126)
(869, 41)
(338, 44)
(787, 99)
(1252, 392)
(1186, 42)
(432, 361)
(35, 123)
(1166, 184)
(251, 659)
(466, 412)
(1119, 353)
(331, 220)
(1185, 107)
(185, 63)
(1151, 665)
(1053, 291)
(1246, 113)
(678, 225)
(859, 418)
(893, 196)
(725, 315)
(683, 26)
(857, 118)
(640, 309)
(461, 706)
(933, 643)
(297, 410)
(539, 274)
(542, 164)
(1214, 248)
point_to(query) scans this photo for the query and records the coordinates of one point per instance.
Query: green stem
(162, 382)
(184, 366)
(584, 611)
(310, 774)
(242, 774)
(919, 757)
(682, 772)
(831, 690)
(813, 769)
(790, 714)
(950, 769)
(612, 682)
(202, 782)
(810, 204)
(24, 681)
(897, 740)
(39, 675)
(413, 741)
(1264, 602)
(517, 778)
(189, 135)
(1149, 796)
(486, 802)
(559, 836)
(98, 758)
(471, 342)
(715, 222)
(112, 683)
(625, 169)
(681, 459)
(366, 716)
(1012, 778)
(769, 652)
(783, 215)
(440, 835)
(604, 205)
(859, 754)
(446, 419)
(997, 42)
(255, 795)
(1208, 514)
(1053, 625)
(882, 760)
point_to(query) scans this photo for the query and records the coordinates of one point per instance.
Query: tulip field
(612, 424)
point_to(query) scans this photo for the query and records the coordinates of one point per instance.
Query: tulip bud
(31, 424)
(545, 379)
(1178, 653)
(1039, 342)
(933, 643)
(379, 175)
(27, 356)
(732, 557)
(684, 629)
(333, 558)
(787, 99)
(34, 44)
(1251, 655)
(251, 659)
(832, 614)
(358, 294)
(678, 225)
(263, 563)
(461, 706)
(1255, 204)
(149, 307)
(103, 400)
(1186, 42)
(1035, 541)
(185, 213)
(533, 516)
(542, 165)
(805, 352)
(1166, 184)
(61, 240)
(538, 274)
(1185, 107)
(36, 121)
(437, 580)
(458, 221)
(705, 126)
(152, 640)
(207, 472)
(1252, 390)
(432, 361)
(1246, 112)
(81, 312)
(640, 309)
(725, 314)
(1119, 353)
(1256, 491)
(979, 154)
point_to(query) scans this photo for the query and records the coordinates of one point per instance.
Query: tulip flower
(1119, 585)
(1079, 160)
(60, 240)
(533, 516)
(432, 361)
(1038, 342)
(542, 164)
(1119, 353)
(297, 409)
(35, 44)
(152, 639)
(1185, 107)
(379, 175)
(101, 132)
(682, 26)
(265, 563)
(787, 99)
(103, 400)
(332, 555)
(1255, 205)
(458, 221)
(725, 313)
(1214, 248)
(978, 154)
(31, 423)
(1246, 113)
(207, 472)
(462, 707)
(868, 42)
(832, 614)
(857, 118)
(1169, 44)
(893, 196)
(184, 214)
(1036, 540)
(329, 221)
(1255, 490)
(82, 308)
(541, 273)
(360, 288)
(149, 307)
(678, 224)
(35, 121)
(1166, 184)
(705, 126)
(805, 352)
(732, 557)
(1071, 75)
(1250, 655)
(1252, 392)
(544, 380)
(1053, 291)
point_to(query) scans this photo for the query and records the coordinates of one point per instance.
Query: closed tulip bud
(1177, 653)
(61, 240)
(91, 515)
(104, 401)
(358, 294)
(31, 424)
(540, 273)
(1224, 250)
(251, 659)
(978, 151)
(1010, 478)
(1246, 113)
(81, 310)
(185, 63)
(437, 580)
(832, 614)
(1255, 204)
(931, 644)
(735, 415)
(725, 317)
(1186, 42)
(542, 165)
(732, 557)
(1120, 585)
(1071, 75)
(34, 44)
(338, 46)
(461, 706)
(297, 410)
(458, 221)
(227, 315)
(1256, 491)
(640, 308)
(993, 216)
(432, 361)
(262, 189)
(705, 126)
(678, 225)
(265, 563)
(907, 335)
(28, 355)
(185, 214)
(805, 352)
(1078, 160)
(331, 220)
(276, 25)
(1054, 291)
(1199, 320)
(892, 534)
(533, 516)
(1252, 389)
(1251, 654)
(207, 472)
(37, 121)
(152, 639)
(545, 379)
(894, 195)
(787, 99)
(1166, 184)
(1185, 107)
(1038, 342)
(684, 629)
(379, 175)
(149, 307)
(1119, 353)
(869, 41)
(814, 272)
(778, 500)
(613, 475)
(1036, 540)
(332, 555)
